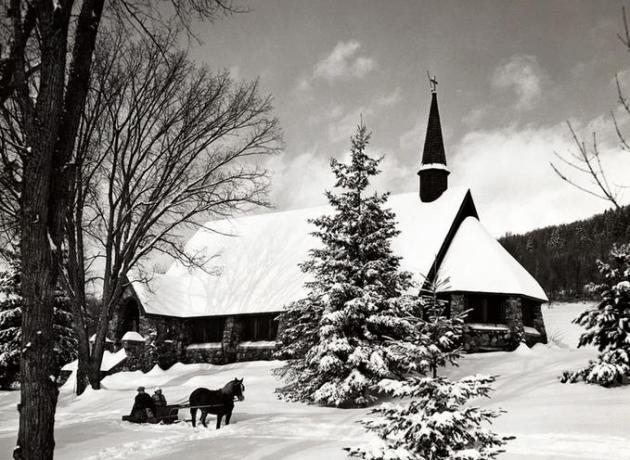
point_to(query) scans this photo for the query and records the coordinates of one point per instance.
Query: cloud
(474, 116)
(343, 124)
(513, 184)
(343, 63)
(388, 100)
(623, 77)
(299, 180)
(522, 75)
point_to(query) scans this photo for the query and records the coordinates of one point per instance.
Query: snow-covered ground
(550, 420)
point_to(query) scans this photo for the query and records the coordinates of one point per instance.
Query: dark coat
(159, 400)
(140, 405)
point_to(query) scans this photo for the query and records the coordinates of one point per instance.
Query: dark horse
(219, 402)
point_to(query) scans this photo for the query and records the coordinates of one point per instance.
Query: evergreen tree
(361, 320)
(440, 332)
(608, 324)
(10, 326)
(10, 320)
(436, 422)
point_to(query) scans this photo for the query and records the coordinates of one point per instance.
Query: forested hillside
(562, 257)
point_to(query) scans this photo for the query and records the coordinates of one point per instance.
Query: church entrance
(129, 318)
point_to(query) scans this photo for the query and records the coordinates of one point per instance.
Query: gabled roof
(258, 257)
(476, 262)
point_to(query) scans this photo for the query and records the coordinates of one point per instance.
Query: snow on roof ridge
(259, 269)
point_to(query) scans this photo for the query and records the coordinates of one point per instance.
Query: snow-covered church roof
(476, 262)
(256, 263)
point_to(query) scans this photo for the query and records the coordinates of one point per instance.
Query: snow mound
(133, 336)
(109, 361)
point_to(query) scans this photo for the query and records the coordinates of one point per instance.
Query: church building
(228, 313)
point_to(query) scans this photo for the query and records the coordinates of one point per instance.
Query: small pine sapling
(436, 421)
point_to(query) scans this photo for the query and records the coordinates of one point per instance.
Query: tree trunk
(94, 373)
(83, 365)
(38, 387)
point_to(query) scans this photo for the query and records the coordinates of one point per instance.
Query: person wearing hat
(143, 406)
(159, 400)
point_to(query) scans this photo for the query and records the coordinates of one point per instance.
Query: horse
(219, 402)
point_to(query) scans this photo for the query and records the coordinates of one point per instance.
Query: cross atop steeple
(432, 82)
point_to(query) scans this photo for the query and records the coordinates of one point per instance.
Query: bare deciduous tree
(175, 145)
(582, 168)
(585, 163)
(46, 51)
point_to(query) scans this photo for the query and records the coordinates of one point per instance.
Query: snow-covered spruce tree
(434, 421)
(355, 308)
(66, 342)
(437, 422)
(608, 324)
(10, 321)
(300, 331)
(440, 333)
(10, 325)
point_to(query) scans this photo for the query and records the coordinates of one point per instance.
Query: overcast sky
(510, 74)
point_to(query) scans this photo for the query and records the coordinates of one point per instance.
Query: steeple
(433, 171)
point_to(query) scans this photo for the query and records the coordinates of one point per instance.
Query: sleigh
(166, 415)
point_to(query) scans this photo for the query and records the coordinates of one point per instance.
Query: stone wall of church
(167, 342)
(167, 339)
(539, 323)
(488, 338)
(211, 353)
(507, 336)
(514, 319)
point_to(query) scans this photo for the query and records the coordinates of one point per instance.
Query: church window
(485, 309)
(259, 327)
(206, 330)
(528, 310)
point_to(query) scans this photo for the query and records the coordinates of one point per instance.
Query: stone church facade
(195, 317)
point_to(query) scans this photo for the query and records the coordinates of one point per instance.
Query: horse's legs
(204, 414)
(227, 417)
(193, 414)
(219, 417)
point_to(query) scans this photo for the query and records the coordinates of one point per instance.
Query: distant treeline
(562, 257)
